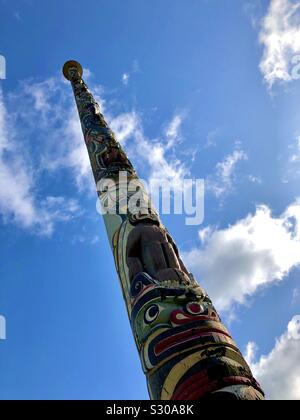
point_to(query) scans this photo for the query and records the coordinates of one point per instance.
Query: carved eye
(137, 287)
(139, 282)
(194, 308)
(151, 314)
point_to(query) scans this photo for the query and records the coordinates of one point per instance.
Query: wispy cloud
(157, 160)
(125, 78)
(211, 140)
(250, 353)
(222, 182)
(279, 371)
(124, 125)
(50, 105)
(154, 158)
(255, 252)
(17, 16)
(20, 202)
(64, 146)
(254, 179)
(53, 210)
(290, 159)
(172, 131)
(84, 238)
(44, 115)
(280, 37)
(48, 110)
(252, 10)
(70, 153)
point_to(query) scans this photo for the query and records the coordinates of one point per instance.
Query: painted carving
(186, 351)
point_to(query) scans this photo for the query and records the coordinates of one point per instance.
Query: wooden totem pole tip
(69, 65)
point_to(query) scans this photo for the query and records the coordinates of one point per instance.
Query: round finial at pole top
(69, 65)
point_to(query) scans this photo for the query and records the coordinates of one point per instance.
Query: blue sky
(214, 79)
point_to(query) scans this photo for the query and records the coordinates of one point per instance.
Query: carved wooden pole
(185, 350)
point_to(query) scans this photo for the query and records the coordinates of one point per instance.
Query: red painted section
(200, 384)
(183, 337)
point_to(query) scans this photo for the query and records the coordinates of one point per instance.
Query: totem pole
(185, 350)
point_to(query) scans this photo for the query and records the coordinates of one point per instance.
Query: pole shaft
(185, 350)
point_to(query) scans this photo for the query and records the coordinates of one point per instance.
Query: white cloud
(19, 202)
(255, 252)
(47, 113)
(36, 104)
(54, 210)
(226, 168)
(250, 352)
(153, 158)
(15, 178)
(66, 149)
(135, 68)
(173, 131)
(204, 234)
(279, 371)
(48, 110)
(254, 179)
(49, 105)
(280, 37)
(125, 79)
(161, 167)
(124, 126)
(221, 184)
(53, 111)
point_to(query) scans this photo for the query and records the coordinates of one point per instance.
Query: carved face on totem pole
(174, 321)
